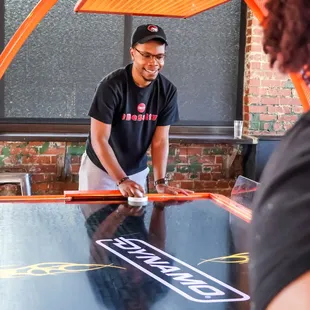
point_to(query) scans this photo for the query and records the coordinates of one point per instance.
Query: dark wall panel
(56, 72)
(202, 61)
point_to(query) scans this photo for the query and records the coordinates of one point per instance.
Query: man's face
(148, 59)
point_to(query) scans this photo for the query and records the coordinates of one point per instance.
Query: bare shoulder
(294, 296)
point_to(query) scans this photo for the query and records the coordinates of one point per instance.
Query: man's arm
(293, 296)
(100, 133)
(159, 151)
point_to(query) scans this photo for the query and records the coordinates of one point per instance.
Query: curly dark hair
(286, 31)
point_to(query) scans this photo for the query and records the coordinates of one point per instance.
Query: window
(54, 75)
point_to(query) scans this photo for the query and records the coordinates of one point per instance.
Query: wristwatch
(163, 181)
(122, 180)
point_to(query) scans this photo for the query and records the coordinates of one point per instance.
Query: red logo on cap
(152, 28)
(141, 107)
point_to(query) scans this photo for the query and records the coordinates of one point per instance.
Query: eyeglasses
(147, 56)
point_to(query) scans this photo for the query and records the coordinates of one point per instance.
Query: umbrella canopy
(161, 8)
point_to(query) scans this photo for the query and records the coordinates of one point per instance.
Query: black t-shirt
(280, 228)
(133, 113)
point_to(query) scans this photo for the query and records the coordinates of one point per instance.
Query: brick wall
(271, 104)
(54, 166)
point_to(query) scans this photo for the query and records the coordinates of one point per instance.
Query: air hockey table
(92, 250)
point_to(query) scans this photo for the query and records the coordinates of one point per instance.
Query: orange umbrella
(162, 8)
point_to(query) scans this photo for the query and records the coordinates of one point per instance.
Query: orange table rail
(115, 196)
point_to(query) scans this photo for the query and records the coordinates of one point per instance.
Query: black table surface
(173, 255)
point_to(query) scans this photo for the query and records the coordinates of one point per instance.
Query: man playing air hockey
(132, 109)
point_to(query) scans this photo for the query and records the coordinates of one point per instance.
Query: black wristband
(122, 180)
(161, 181)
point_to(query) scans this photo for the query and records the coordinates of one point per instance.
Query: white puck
(138, 199)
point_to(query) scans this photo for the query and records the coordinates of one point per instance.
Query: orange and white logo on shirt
(141, 107)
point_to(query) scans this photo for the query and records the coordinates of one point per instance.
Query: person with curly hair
(279, 268)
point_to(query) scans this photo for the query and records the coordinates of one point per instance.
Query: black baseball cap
(145, 33)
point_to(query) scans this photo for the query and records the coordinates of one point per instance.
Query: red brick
(278, 126)
(208, 159)
(255, 47)
(42, 169)
(34, 143)
(266, 66)
(187, 184)
(290, 101)
(246, 117)
(180, 176)
(222, 184)
(287, 126)
(266, 125)
(171, 160)
(257, 109)
(213, 168)
(10, 161)
(182, 159)
(218, 159)
(205, 176)
(266, 117)
(56, 186)
(205, 185)
(37, 178)
(175, 183)
(276, 92)
(288, 118)
(298, 110)
(257, 57)
(269, 101)
(266, 75)
(257, 31)
(36, 160)
(279, 110)
(194, 151)
(75, 168)
(253, 100)
(255, 65)
(55, 151)
(182, 151)
(254, 90)
(39, 187)
(25, 151)
(254, 82)
(285, 92)
(271, 83)
(257, 39)
(75, 159)
(217, 176)
(54, 159)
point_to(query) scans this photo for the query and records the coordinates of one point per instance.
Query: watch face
(161, 181)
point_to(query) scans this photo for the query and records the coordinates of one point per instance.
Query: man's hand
(166, 189)
(130, 188)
